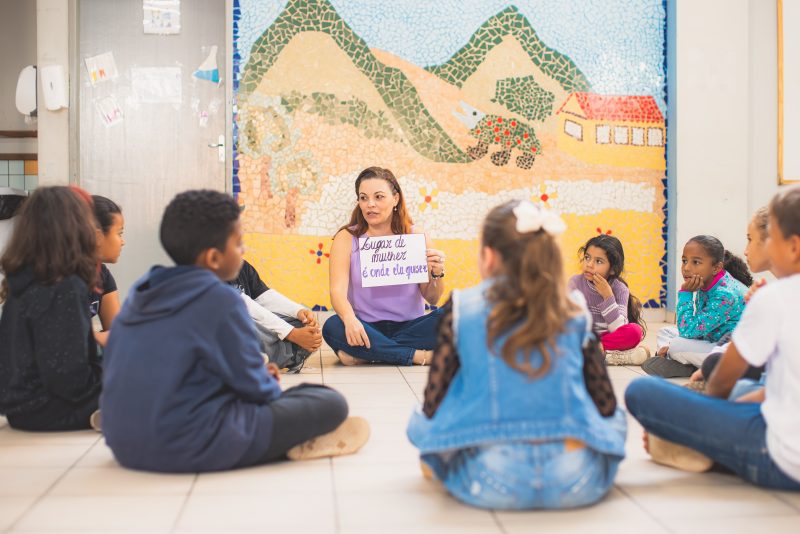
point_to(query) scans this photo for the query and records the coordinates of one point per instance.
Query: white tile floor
(70, 482)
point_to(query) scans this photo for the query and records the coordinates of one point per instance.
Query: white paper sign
(393, 260)
(157, 85)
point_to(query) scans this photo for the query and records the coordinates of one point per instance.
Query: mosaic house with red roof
(613, 129)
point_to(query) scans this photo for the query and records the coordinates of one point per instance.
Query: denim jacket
(489, 402)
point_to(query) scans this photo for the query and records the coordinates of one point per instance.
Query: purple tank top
(388, 303)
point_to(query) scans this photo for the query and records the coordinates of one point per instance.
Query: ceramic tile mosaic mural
(469, 103)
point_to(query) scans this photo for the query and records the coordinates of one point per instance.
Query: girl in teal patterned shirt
(710, 302)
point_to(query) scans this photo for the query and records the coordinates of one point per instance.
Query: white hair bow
(532, 218)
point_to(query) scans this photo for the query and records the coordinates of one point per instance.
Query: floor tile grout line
(321, 366)
(44, 494)
(405, 379)
(497, 521)
(184, 504)
(644, 509)
(337, 522)
(786, 501)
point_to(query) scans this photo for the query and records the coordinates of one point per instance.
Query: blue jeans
(392, 342)
(523, 476)
(733, 434)
(745, 386)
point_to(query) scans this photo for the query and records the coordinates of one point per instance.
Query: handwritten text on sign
(393, 260)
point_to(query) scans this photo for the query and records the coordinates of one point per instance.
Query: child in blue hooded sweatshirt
(185, 388)
(519, 411)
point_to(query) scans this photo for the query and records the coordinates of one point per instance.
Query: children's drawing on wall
(470, 103)
(109, 110)
(101, 67)
(208, 69)
(162, 17)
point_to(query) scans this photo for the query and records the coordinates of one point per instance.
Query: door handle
(220, 146)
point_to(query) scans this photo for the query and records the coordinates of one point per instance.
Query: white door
(171, 120)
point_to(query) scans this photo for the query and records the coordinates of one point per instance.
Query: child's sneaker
(346, 439)
(94, 421)
(635, 356)
(673, 455)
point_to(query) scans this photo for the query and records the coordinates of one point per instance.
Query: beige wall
(18, 43)
(53, 48)
(726, 124)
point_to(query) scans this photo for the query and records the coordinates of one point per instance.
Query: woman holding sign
(381, 274)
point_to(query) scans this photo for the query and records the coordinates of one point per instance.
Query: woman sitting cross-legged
(380, 324)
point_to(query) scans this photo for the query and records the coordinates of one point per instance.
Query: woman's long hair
(401, 220)
(616, 260)
(55, 236)
(529, 296)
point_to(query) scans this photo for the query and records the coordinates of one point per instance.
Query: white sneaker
(94, 421)
(635, 356)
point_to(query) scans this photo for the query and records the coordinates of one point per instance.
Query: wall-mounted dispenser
(26, 91)
(54, 87)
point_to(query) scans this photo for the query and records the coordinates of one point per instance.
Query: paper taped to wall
(161, 17)
(157, 85)
(101, 67)
(109, 110)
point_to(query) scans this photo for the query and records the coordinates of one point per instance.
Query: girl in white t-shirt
(759, 440)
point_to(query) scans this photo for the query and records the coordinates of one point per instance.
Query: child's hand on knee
(308, 337)
(308, 318)
(273, 370)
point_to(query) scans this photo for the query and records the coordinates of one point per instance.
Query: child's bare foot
(427, 472)
(696, 385)
(422, 357)
(646, 441)
(673, 455)
(346, 439)
(662, 351)
(346, 359)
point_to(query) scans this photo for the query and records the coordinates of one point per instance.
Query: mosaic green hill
(422, 131)
(353, 111)
(525, 97)
(510, 21)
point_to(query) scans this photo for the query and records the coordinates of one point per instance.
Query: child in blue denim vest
(710, 303)
(515, 415)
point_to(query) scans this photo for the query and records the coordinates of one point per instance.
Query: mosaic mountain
(417, 125)
(422, 131)
(510, 22)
